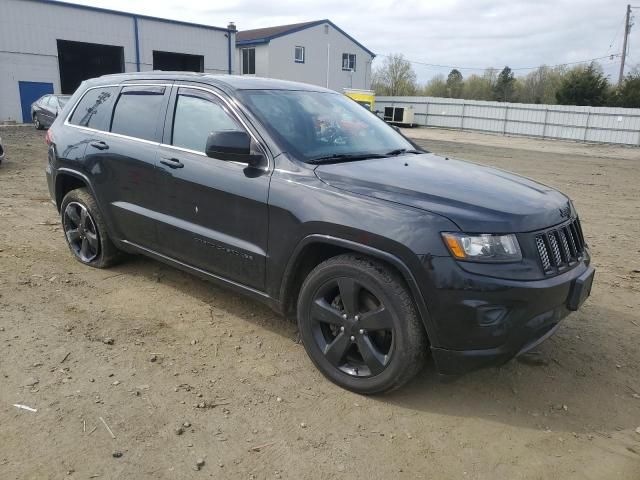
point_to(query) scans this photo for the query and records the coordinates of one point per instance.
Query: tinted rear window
(138, 111)
(94, 110)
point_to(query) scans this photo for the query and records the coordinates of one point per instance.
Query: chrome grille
(560, 247)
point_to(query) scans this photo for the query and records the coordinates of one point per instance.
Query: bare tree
(541, 85)
(395, 77)
(436, 87)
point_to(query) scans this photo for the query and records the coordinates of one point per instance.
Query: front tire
(85, 230)
(359, 325)
(36, 122)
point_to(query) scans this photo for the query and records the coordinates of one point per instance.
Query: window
(313, 125)
(248, 61)
(196, 116)
(349, 61)
(94, 110)
(299, 55)
(138, 111)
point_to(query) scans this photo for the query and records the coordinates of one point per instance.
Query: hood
(478, 199)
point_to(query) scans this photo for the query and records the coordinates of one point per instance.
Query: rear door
(49, 109)
(215, 212)
(124, 158)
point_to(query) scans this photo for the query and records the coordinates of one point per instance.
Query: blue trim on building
(303, 27)
(137, 37)
(248, 43)
(128, 14)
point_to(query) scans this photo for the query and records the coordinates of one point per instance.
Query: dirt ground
(181, 370)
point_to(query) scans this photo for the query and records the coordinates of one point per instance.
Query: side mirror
(232, 145)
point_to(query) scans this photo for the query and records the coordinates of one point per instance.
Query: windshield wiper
(345, 157)
(400, 151)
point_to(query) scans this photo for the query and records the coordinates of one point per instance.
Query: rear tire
(85, 230)
(360, 326)
(36, 122)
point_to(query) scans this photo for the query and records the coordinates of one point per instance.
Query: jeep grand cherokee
(299, 197)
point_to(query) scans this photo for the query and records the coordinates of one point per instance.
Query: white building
(50, 47)
(316, 52)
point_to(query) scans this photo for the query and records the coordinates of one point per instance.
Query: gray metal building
(50, 47)
(317, 52)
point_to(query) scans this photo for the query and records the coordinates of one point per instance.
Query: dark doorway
(80, 61)
(177, 62)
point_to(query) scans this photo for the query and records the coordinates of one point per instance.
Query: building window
(299, 55)
(326, 29)
(248, 61)
(349, 62)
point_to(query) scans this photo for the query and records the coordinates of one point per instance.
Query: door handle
(171, 162)
(100, 145)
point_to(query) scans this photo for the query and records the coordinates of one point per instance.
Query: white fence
(586, 124)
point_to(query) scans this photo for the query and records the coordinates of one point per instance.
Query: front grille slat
(579, 229)
(544, 255)
(572, 244)
(566, 253)
(574, 236)
(555, 249)
(559, 248)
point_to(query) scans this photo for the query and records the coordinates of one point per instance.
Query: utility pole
(627, 27)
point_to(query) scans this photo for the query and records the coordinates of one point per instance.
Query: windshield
(317, 125)
(63, 101)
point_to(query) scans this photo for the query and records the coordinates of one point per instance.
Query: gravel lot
(181, 370)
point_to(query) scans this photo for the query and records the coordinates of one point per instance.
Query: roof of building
(264, 35)
(129, 14)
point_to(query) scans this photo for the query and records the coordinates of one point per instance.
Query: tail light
(48, 137)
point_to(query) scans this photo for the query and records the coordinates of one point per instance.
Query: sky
(471, 35)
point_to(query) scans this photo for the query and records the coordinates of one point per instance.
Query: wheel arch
(67, 180)
(316, 248)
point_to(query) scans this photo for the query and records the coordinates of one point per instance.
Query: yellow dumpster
(366, 98)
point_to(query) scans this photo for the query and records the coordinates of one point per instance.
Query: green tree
(628, 94)
(504, 86)
(436, 87)
(395, 77)
(584, 86)
(455, 83)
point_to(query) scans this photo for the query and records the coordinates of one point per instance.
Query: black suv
(299, 197)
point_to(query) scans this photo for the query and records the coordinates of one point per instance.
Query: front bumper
(484, 321)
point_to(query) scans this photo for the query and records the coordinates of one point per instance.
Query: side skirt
(222, 281)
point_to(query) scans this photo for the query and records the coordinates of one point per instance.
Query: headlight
(483, 247)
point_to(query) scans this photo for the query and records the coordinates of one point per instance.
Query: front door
(215, 213)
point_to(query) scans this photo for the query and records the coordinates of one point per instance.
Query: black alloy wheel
(352, 327)
(81, 232)
(359, 324)
(85, 230)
